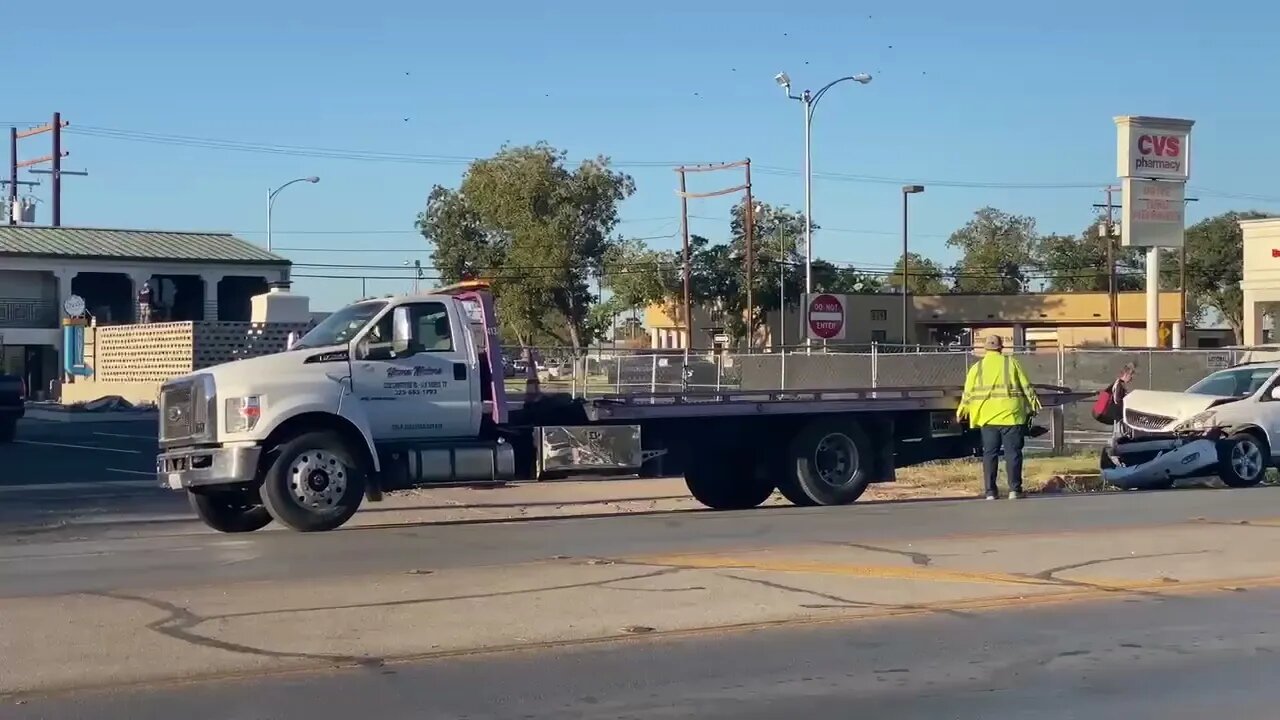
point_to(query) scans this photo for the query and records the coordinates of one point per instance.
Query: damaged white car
(1224, 425)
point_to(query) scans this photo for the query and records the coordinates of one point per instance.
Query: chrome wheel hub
(1246, 459)
(317, 479)
(836, 459)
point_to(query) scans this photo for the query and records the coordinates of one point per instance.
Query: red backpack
(1104, 406)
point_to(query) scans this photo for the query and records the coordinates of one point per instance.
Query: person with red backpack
(1109, 406)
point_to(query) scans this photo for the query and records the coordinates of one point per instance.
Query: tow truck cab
(404, 371)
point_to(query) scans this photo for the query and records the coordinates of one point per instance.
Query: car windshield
(1237, 382)
(340, 327)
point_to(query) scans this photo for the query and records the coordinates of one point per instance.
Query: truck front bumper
(197, 467)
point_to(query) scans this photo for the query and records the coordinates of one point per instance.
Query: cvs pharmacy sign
(1155, 148)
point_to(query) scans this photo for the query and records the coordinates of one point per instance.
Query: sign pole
(1153, 296)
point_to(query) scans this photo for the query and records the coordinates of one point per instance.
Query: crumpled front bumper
(1191, 459)
(198, 467)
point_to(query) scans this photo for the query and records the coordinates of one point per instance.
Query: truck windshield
(1237, 382)
(340, 327)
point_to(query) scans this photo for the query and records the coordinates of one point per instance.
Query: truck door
(415, 374)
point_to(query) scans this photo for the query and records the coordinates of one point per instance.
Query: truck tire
(229, 511)
(314, 483)
(829, 462)
(726, 481)
(1242, 460)
(8, 430)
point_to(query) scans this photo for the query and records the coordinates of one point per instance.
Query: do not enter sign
(826, 317)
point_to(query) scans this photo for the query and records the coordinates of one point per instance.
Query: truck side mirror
(403, 342)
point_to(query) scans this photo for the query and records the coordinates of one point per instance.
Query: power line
(433, 159)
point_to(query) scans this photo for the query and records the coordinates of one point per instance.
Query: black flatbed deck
(738, 403)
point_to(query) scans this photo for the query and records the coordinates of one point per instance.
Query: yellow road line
(873, 572)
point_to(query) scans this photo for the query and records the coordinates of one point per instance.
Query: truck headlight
(243, 413)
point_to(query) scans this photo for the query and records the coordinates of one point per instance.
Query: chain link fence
(614, 371)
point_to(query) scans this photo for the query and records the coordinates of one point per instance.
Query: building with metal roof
(190, 276)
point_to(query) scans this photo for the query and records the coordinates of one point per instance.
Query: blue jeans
(1011, 439)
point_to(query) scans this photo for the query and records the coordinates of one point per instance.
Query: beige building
(1051, 319)
(1261, 275)
(192, 276)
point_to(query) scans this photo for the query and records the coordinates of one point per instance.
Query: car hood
(1176, 405)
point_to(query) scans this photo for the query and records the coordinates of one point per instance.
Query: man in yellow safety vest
(999, 400)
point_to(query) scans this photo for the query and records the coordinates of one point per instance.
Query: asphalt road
(49, 562)
(56, 471)
(1172, 657)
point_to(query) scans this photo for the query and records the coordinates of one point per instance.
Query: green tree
(778, 263)
(925, 276)
(539, 230)
(1078, 264)
(1215, 267)
(996, 249)
(637, 275)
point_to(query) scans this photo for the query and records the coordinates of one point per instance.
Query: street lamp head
(863, 78)
(313, 179)
(783, 80)
(911, 189)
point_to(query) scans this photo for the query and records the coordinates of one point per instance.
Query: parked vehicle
(402, 392)
(1227, 424)
(13, 404)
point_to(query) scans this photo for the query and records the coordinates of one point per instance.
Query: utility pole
(55, 158)
(1112, 289)
(13, 176)
(684, 227)
(749, 231)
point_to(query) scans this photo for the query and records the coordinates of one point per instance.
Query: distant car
(559, 371)
(13, 405)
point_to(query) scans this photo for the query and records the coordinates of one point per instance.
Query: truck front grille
(177, 408)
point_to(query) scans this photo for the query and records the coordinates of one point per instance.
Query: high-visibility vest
(996, 392)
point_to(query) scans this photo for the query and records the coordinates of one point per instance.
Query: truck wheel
(726, 481)
(1242, 460)
(830, 463)
(229, 511)
(314, 483)
(8, 431)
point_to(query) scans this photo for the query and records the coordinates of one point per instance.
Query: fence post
(1058, 428)
(653, 375)
(617, 384)
(782, 381)
(1062, 366)
(875, 365)
(719, 369)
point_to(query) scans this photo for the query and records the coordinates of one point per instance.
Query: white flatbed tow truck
(408, 391)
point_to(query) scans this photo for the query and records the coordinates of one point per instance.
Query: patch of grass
(1079, 473)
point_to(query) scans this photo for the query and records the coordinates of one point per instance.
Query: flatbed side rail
(617, 408)
(755, 396)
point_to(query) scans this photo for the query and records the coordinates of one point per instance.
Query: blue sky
(989, 103)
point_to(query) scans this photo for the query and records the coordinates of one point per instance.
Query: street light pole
(906, 269)
(271, 201)
(810, 101)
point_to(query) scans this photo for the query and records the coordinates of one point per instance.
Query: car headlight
(1200, 421)
(243, 413)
